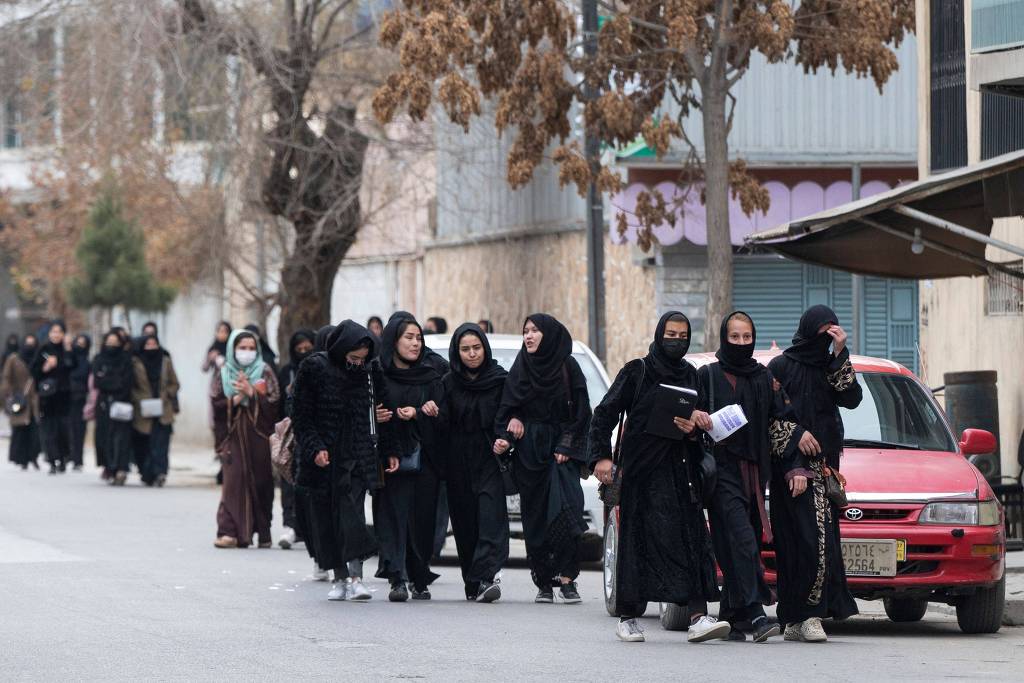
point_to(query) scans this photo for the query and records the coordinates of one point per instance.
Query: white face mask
(245, 357)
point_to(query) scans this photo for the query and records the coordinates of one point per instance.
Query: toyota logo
(855, 514)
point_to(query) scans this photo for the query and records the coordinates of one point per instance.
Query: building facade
(971, 105)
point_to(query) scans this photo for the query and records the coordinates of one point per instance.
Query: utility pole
(595, 205)
(857, 281)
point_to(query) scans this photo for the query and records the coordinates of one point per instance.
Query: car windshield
(596, 388)
(896, 413)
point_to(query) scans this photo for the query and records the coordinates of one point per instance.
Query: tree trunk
(716, 188)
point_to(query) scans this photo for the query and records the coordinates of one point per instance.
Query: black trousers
(157, 463)
(77, 430)
(737, 543)
(116, 439)
(55, 433)
(404, 513)
(476, 503)
(24, 444)
(288, 506)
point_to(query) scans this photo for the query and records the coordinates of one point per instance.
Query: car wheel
(905, 610)
(611, 552)
(673, 617)
(983, 611)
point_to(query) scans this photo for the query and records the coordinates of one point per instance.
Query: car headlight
(983, 513)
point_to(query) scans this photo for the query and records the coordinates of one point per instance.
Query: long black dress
(405, 510)
(55, 409)
(739, 522)
(665, 552)
(812, 577)
(476, 496)
(331, 411)
(547, 392)
(113, 378)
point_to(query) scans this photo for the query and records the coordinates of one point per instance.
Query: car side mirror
(977, 442)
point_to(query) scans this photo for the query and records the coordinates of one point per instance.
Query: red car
(922, 525)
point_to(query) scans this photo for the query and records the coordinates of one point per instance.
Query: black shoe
(472, 590)
(736, 636)
(399, 593)
(53, 469)
(764, 629)
(489, 592)
(77, 468)
(418, 594)
(63, 467)
(570, 595)
(545, 595)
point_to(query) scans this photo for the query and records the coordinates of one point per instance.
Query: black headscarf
(440, 324)
(418, 372)
(112, 368)
(221, 347)
(320, 339)
(660, 363)
(488, 376)
(540, 373)
(28, 351)
(10, 348)
(430, 356)
(809, 347)
(156, 330)
(269, 357)
(737, 359)
(294, 357)
(80, 375)
(153, 360)
(346, 337)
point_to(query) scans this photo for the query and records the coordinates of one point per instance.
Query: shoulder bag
(611, 494)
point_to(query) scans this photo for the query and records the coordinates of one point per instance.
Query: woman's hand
(561, 459)
(211, 356)
(322, 459)
(798, 485)
(407, 413)
(430, 409)
(243, 386)
(50, 363)
(702, 420)
(684, 425)
(809, 446)
(260, 387)
(516, 428)
(237, 398)
(501, 446)
(603, 471)
(383, 414)
(392, 466)
(838, 335)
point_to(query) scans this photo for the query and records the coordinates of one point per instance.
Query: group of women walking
(384, 415)
(52, 390)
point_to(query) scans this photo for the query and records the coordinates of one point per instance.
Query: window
(11, 124)
(896, 413)
(948, 83)
(1004, 292)
(1002, 123)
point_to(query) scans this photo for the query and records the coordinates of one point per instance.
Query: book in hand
(670, 402)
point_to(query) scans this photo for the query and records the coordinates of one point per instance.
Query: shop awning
(933, 228)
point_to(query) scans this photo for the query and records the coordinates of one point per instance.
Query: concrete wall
(682, 284)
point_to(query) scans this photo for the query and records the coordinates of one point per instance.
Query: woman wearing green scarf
(244, 397)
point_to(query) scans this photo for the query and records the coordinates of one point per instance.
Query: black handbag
(411, 463)
(47, 387)
(508, 480)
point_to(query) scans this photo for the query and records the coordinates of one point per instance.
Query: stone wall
(505, 280)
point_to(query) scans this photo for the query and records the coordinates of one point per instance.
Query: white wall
(361, 290)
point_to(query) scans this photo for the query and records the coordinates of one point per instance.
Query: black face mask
(355, 369)
(737, 354)
(299, 356)
(111, 350)
(822, 342)
(675, 348)
(153, 353)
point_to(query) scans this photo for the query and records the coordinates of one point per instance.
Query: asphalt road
(98, 583)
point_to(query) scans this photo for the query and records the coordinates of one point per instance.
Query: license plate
(864, 557)
(512, 502)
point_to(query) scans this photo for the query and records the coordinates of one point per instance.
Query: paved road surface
(124, 584)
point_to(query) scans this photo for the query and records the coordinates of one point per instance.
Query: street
(125, 584)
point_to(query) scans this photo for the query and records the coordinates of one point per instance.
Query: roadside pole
(595, 207)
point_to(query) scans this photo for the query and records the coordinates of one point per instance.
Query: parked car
(922, 524)
(505, 347)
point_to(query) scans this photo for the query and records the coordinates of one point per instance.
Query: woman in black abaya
(664, 550)
(545, 413)
(812, 578)
(476, 496)
(405, 509)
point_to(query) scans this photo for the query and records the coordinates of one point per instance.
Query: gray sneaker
(339, 591)
(629, 631)
(357, 591)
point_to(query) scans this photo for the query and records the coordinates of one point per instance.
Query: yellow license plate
(901, 550)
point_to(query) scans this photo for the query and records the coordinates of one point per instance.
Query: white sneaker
(357, 591)
(707, 628)
(320, 574)
(339, 591)
(287, 538)
(630, 631)
(812, 631)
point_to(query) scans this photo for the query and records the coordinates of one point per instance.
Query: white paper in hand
(726, 421)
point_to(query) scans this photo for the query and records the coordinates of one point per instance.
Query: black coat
(331, 412)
